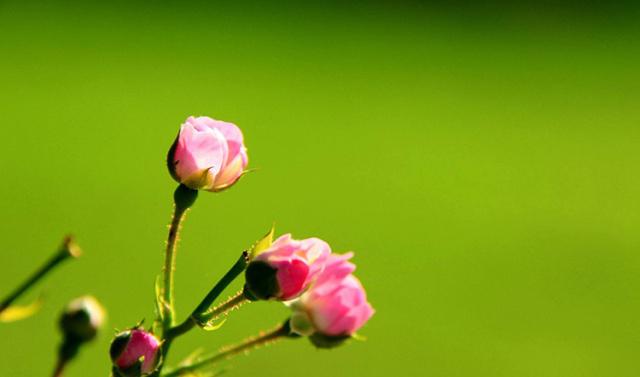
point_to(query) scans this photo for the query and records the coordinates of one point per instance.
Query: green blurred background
(481, 160)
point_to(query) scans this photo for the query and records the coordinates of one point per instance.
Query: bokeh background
(481, 159)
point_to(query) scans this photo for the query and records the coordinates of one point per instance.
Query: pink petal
(229, 174)
(230, 132)
(140, 344)
(291, 278)
(198, 151)
(325, 312)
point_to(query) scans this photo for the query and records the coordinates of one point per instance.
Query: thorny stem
(169, 264)
(217, 289)
(278, 333)
(67, 250)
(234, 302)
(184, 198)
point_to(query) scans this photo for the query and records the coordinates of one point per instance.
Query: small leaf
(161, 307)
(15, 312)
(263, 244)
(159, 297)
(212, 325)
(133, 370)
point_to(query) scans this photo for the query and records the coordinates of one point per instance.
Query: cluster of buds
(329, 303)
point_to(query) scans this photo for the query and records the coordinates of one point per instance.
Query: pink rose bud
(81, 319)
(286, 269)
(135, 352)
(335, 307)
(208, 154)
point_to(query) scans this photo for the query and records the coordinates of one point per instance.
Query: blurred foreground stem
(58, 372)
(67, 249)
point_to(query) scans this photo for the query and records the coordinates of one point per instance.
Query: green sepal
(262, 244)
(133, 371)
(261, 280)
(136, 369)
(171, 163)
(118, 344)
(184, 197)
(301, 324)
(326, 341)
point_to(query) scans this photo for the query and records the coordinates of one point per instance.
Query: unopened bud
(286, 268)
(135, 353)
(82, 319)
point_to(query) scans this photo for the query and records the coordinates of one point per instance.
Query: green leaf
(263, 244)
(162, 308)
(209, 321)
(212, 325)
(16, 312)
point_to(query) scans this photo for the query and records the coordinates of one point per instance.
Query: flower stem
(173, 332)
(67, 351)
(217, 289)
(67, 250)
(232, 303)
(184, 198)
(280, 332)
(206, 302)
(59, 370)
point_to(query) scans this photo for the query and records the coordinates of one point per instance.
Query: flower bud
(286, 269)
(208, 154)
(334, 308)
(81, 319)
(135, 353)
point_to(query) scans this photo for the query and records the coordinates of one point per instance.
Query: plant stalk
(67, 250)
(184, 198)
(280, 332)
(209, 299)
